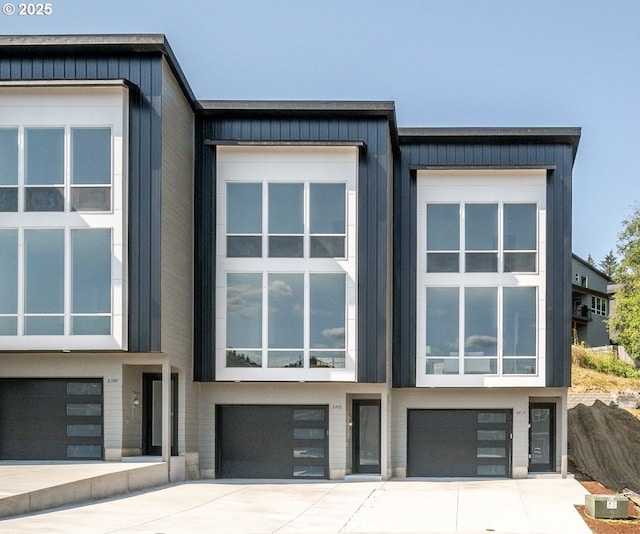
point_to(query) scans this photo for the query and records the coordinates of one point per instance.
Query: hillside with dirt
(603, 441)
(604, 444)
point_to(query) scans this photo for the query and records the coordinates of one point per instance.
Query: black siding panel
(372, 221)
(145, 158)
(558, 297)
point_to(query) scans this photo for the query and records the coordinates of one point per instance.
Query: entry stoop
(33, 487)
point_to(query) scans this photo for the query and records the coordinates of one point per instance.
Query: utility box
(607, 506)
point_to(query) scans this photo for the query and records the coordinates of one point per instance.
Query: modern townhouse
(287, 289)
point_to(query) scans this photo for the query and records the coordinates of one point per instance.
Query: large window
(286, 260)
(481, 277)
(476, 315)
(288, 205)
(481, 238)
(286, 320)
(62, 222)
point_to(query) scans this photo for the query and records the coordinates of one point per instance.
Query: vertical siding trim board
(143, 70)
(558, 158)
(372, 221)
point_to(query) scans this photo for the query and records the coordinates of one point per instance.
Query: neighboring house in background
(591, 301)
(287, 289)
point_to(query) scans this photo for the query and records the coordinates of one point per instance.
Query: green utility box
(607, 506)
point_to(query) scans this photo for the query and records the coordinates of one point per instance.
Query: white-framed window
(599, 306)
(286, 263)
(63, 217)
(286, 220)
(481, 277)
(481, 237)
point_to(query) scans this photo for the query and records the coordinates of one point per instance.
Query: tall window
(287, 261)
(599, 306)
(480, 275)
(62, 230)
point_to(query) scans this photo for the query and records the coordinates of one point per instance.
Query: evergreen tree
(590, 261)
(624, 323)
(609, 264)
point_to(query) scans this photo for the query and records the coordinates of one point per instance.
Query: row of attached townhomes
(280, 289)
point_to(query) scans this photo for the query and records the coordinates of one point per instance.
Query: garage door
(272, 442)
(51, 419)
(459, 443)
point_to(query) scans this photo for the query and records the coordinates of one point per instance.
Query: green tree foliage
(624, 323)
(590, 261)
(609, 264)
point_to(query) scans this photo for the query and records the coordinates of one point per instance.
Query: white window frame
(481, 186)
(278, 164)
(599, 306)
(88, 104)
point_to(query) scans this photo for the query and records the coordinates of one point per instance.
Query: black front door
(366, 436)
(542, 436)
(152, 414)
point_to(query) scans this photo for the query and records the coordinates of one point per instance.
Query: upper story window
(481, 238)
(282, 209)
(599, 306)
(480, 277)
(286, 263)
(37, 175)
(62, 217)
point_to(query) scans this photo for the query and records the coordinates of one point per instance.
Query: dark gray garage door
(272, 442)
(459, 443)
(51, 419)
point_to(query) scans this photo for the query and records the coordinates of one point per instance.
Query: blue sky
(444, 63)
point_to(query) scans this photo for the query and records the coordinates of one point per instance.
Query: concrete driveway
(515, 506)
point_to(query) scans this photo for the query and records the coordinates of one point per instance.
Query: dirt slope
(604, 443)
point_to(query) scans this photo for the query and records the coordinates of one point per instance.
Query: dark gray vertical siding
(144, 210)
(372, 221)
(204, 298)
(558, 296)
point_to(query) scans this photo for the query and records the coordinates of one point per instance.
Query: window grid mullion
(265, 319)
(265, 219)
(461, 327)
(21, 286)
(67, 281)
(307, 320)
(21, 170)
(500, 329)
(306, 229)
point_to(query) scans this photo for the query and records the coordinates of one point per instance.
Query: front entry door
(366, 436)
(152, 414)
(542, 437)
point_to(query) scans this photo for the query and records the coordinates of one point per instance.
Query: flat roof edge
(70, 40)
(470, 132)
(501, 135)
(319, 106)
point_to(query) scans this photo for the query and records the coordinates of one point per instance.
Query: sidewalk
(471, 506)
